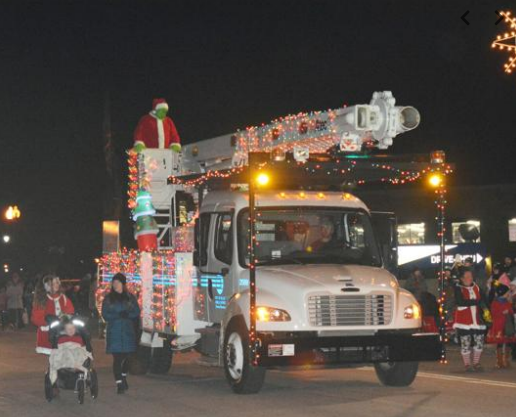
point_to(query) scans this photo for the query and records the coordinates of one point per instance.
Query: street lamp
(6, 238)
(12, 213)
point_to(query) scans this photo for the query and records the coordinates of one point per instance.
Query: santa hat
(159, 103)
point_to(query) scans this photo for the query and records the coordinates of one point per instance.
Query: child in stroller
(70, 363)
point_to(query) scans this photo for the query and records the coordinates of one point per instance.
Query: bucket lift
(349, 129)
(159, 164)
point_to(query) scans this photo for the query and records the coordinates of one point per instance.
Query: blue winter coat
(122, 318)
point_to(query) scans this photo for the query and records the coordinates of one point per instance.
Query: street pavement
(194, 390)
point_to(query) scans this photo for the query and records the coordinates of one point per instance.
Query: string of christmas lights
(507, 41)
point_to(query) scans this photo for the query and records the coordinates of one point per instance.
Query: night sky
(224, 66)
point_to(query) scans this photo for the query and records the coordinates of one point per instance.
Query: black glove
(124, 314)
(50, 318)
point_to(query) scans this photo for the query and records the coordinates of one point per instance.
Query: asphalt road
(193, 390)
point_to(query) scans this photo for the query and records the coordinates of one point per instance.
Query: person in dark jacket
(121, 312)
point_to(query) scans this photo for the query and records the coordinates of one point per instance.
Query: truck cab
(322, 292)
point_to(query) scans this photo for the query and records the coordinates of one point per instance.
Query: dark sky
(227, 65)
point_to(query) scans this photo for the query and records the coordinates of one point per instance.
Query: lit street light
(12, 213)
(6, 238)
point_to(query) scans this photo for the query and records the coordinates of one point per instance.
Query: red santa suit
(500, 310)
(56, 305)
(155, 133)
(468, 310)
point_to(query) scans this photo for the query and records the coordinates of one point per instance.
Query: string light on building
(507, 41)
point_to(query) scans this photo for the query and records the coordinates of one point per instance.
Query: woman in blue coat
(121, 312)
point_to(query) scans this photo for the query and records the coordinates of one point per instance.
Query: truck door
(220, 283)
(385, 229)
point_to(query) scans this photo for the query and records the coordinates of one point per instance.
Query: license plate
(281, 350)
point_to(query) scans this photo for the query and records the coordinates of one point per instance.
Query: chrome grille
(350, 310)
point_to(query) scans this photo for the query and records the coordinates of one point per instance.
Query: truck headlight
(412, 312)
(271, 314)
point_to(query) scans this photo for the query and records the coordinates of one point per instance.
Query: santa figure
(156, 130)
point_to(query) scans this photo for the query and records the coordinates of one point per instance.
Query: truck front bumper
(297, 349)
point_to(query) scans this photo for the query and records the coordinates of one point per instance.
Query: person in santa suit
(471, 314)
(156, 130)
(502, 332)
(48, 301)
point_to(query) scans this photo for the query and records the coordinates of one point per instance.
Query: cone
(147, 242)
(144, 205)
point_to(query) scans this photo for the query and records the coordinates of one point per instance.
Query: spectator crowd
(477, 309)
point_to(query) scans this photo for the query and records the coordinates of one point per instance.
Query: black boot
(124, 382)
(120, 387)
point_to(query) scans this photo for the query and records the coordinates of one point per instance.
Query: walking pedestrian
(416, 283)
(14, 292)
(3, 308)
(121, 312)
(502, 332)
(49, 300)
(470, 316)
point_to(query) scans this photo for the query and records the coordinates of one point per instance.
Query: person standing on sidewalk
(121, 311)
(502, 332)
(471, 313)
(14, 293)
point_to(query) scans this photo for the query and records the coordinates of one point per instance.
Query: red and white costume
(500, 310)
(468, 312)
(56, 305)
(155, 133)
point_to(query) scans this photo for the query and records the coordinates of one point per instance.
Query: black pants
(15, 317)
(120, 365)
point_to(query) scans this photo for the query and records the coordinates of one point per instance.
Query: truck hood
(330, 278)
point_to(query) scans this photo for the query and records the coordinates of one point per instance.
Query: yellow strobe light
(435, 180)
(262, 179)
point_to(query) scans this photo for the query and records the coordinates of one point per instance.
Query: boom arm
(374, 124)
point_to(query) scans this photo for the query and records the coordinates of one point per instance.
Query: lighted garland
(395, 175)
(164, 281)
(507, 41)
(314, 130)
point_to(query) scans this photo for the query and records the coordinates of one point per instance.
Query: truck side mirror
(386, 233)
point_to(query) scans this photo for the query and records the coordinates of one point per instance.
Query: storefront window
(468, 231)
(411, 234)
(512, 230)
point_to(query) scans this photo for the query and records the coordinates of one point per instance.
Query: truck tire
(243, 378)
(161, 359)
(139, 361)
(396, 374)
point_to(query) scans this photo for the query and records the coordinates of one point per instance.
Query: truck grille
(350, 310)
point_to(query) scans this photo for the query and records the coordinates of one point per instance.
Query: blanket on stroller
(68, 355)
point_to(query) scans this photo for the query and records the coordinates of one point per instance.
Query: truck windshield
(309, 235)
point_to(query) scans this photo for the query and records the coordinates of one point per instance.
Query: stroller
(70, 340)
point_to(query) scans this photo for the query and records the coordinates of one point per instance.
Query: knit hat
(119, 277)
(159, 103)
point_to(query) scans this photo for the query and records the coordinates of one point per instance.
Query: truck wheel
(161, 359)
(139, 361)
(243, 378)
(396, 374)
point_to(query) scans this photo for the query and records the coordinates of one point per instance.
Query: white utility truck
(274, 262)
